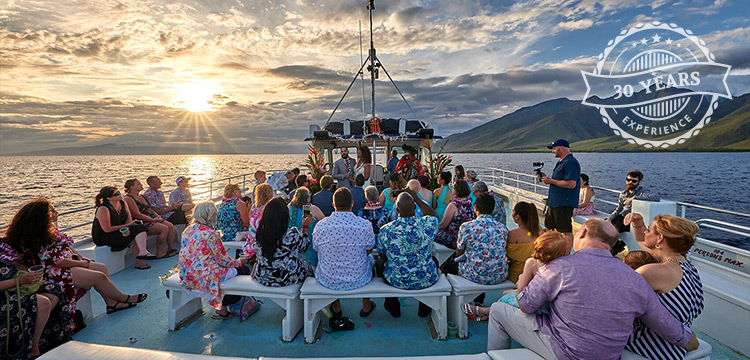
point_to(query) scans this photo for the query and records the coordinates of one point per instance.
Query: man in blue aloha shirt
(406, 246)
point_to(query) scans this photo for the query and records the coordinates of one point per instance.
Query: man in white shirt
(342, 242)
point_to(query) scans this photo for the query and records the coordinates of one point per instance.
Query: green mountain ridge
(531, 128)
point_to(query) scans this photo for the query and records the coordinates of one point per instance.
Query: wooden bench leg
(312, 317)
(439, 307)
(183, 309)
(294, 319)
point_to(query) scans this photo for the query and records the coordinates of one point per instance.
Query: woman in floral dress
(16, 329)
(24, 241)
(263, 194)
(75, 274)
(204, 263)
(458, 212)
(280, 249)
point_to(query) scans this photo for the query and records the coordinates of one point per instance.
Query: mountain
(531, 128)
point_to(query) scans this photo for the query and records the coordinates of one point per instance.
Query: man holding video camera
(564, 185)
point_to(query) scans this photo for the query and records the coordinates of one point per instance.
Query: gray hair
(203, 212)
(480, 187)
(371, 193)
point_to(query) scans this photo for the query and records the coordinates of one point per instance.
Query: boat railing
(203, 191)
(606, 200)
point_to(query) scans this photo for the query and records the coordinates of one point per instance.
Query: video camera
(538, 169)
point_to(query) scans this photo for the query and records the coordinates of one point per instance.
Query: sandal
(362, 313)
(139, 299)
(217, 316)
(341, 324)
(146, 257)
(114, 308)
(470, 313)
(172, 252)
(143, 267)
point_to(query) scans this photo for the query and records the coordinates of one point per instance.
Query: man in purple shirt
(593, 300)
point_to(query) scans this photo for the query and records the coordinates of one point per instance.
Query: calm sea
(711, 179)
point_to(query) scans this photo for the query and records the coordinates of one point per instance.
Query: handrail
(709, 224)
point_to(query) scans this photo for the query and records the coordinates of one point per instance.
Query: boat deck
(260, 335)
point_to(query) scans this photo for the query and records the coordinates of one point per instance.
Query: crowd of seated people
(290, 241)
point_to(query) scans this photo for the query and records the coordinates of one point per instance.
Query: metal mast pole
(371, 7)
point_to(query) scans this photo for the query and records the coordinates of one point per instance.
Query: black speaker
(320, 135)
(426, 133)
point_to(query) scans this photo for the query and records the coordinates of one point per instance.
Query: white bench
(480, 356)
(441, 252)
(702, 353)
(465, 290)
(184, 307)
(84, 351)
(316, 297)
(116, 261)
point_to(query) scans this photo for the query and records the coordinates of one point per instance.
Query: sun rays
(196, 97)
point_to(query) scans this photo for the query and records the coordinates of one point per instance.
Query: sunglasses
(634, 181)
(117, 193)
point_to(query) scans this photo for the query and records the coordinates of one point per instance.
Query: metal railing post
(211, 190)
(683, 211)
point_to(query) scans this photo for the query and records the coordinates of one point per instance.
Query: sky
(249, 76)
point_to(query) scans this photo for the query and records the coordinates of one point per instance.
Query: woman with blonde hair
(204, 263)
(233, 215)
(296, 218)
(674, 279)
(263, 194)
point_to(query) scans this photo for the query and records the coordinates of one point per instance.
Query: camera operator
(563, 189)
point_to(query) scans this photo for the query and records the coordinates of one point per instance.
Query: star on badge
(668, 41)
(656, 38)
(644, 41)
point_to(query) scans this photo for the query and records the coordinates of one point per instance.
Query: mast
(373, 57)
(373, 72)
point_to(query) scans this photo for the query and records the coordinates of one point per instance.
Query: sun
(195, 96)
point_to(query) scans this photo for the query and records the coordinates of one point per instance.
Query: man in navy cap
(564, 185)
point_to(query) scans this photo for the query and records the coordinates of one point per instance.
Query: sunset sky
(251, 76)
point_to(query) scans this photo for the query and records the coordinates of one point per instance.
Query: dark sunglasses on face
(634, 181)
(117, 193)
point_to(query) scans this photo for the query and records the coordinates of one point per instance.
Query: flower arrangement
(317, 164)
(437, 161)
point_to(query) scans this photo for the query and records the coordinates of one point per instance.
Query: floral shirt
(484, 240)
(287, 265)
(229, 220)
(61, 276)
(156, 200)
(204, 262)
(499, 212)
(248, 248)
(465, 213)
(407, 243)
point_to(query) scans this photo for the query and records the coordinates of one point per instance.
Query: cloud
(577, 25)
(110, 71)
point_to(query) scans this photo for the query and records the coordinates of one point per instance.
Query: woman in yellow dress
(521, 240)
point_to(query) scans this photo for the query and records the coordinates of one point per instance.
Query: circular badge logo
(656, 85)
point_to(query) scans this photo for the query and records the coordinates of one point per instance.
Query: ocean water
(711, 179)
